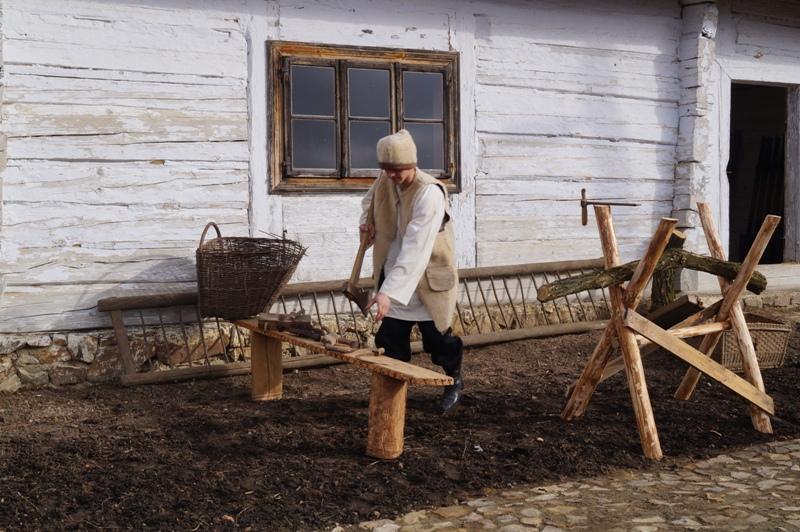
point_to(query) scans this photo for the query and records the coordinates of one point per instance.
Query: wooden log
(671, 259)
(730, 299)
(387, 417)
(700, 361)
(752, 372)
(223, 370)
(169, 299)
(266, 361)
(662, 291)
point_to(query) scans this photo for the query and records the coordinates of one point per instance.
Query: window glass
(313, 90)
(429, 139)
(368, 92)
(423, 95)
(363, 138)
(314, 144)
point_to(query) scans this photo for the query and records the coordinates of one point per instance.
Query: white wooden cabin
(128, 124)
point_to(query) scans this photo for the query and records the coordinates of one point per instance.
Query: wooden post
(586, 384)
(267, 367)
(387, 417)
(731, 299)
(640, 397)
(123, 346)
(663, 288)
(752, 372)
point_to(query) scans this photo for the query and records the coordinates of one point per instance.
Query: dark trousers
(446, 350)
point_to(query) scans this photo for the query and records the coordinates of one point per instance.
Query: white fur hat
(397, 151)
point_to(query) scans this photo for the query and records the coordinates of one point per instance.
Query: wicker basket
(238, 277)
(770, 338)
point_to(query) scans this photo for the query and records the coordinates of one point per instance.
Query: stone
(530, 512)
(33, 374)
(60, 340)
(38, 340)
(389, 527)
(70, 373)
(412, 518)
(756, 519)
(531, 521)
(644, 528)
(452, 512)
(648, 520)
(768, 484)
(795, 300)
(741, 475)
(52, 354)
(10, 384)
(5, 362)
(24, 358)
(83, 347)
(687, 522)
(105, 367)
(545, 497)
(372, 525)
(781, 300)
(516, 528)
(10, 343)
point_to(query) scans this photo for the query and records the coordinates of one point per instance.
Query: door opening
(756, 166)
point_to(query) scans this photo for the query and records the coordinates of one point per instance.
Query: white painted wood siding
(126, 127)
(573, 95)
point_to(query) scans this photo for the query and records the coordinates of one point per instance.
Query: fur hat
(397, 151)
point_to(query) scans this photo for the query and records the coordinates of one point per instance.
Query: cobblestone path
(757, 488)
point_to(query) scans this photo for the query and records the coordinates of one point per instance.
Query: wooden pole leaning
(752, 372)
(621, 299)
(730, 300)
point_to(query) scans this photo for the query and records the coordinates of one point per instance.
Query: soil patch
(202, 455)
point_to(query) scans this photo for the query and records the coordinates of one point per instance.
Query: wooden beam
(690, 332)
(266, 361)
(730, 299)
(662, 291)
(699, 360)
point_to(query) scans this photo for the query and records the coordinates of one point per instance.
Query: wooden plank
(123, 346)
(383, 365)
(699, 361)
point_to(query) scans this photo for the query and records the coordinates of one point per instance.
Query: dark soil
(202, 455)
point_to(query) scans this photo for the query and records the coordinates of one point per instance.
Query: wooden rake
(625, 323)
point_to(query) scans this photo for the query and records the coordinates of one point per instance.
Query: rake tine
(499, 305)
(511, 302)
(469, 298)
(544, 309)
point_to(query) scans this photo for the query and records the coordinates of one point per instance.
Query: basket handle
(203, 236)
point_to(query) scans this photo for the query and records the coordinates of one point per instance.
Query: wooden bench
(389, 387)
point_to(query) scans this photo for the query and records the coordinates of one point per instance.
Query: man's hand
(369, 230)
(383, 303)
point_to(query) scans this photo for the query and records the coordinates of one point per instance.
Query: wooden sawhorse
(625, 323)
(389, 387)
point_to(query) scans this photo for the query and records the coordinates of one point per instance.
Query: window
(331, 104)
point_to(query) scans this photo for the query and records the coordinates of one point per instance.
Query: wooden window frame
(281, 54)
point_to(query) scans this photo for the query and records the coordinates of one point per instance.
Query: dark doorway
(756, 166)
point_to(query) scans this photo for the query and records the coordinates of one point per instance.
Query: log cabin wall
(128, 126)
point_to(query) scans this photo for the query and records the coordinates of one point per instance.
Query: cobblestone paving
(757, 488)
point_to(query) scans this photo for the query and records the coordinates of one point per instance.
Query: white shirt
(409, 255)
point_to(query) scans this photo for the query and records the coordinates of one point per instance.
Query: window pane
(314, 144)
(429, 139)
(423, 95)
(369, 92)
(312, 90)
(363, 138)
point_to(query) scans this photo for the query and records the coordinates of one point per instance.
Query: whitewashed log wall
(129, 125)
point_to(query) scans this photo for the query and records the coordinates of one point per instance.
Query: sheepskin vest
(438, 287)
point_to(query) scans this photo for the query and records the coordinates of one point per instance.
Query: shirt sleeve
(427, 214)
(366, 201)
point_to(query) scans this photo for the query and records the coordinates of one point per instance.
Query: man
(416, 280)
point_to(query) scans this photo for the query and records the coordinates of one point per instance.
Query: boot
(452, 393)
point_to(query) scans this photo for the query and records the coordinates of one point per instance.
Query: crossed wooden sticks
(710, 323)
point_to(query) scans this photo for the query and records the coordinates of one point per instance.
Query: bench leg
(387, 417)
(267, 367)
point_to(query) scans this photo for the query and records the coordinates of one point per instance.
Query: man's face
(401, 177)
